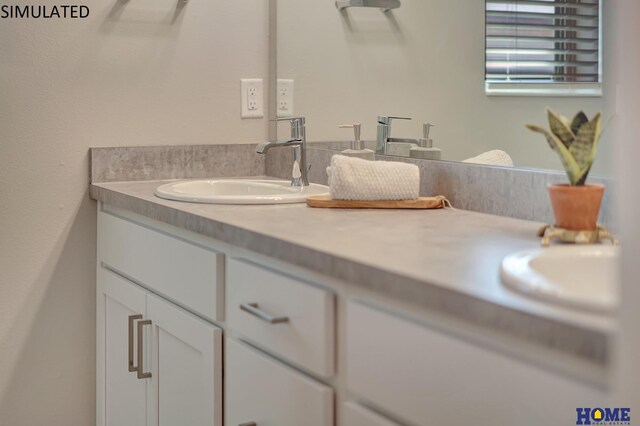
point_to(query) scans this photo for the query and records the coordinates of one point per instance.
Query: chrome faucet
(298, 142)
(384, 134)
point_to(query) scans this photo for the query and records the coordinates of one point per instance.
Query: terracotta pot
(576, 207)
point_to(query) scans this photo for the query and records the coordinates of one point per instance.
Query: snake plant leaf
(585, 146)
(570, 166)
(583, 178)
(561, 127)
(577, 122)
(565, 120)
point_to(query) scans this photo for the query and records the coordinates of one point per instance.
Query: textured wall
(424, 60)
(142, 72)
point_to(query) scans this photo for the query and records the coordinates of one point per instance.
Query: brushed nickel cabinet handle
(132, 318)
(253, 309)
(141, 373)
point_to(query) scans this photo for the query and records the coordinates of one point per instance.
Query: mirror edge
(272, 126)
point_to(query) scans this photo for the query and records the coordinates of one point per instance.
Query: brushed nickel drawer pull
(253, 309)
(141, 373)
(132, 318)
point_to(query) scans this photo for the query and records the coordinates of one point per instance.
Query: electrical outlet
(251, 96)
(285, 98)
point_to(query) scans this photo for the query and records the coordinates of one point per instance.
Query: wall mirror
(443, 62)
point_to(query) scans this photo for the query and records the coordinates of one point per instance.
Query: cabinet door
(262, 391)
(185, 387)
(121, 396)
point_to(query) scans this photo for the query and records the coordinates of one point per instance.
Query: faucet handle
(297, 126)
(294, 120)
(383, 119)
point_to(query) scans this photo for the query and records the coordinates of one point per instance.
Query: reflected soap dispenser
(425, 148)
(357, 145)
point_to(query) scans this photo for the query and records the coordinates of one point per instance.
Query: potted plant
(576, 205)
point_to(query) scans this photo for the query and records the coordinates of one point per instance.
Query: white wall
(425, 60)
(141, 72)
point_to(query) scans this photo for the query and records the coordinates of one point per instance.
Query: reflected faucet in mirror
(384, 135)
(298, 143)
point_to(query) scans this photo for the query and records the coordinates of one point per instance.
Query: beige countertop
(445, 260)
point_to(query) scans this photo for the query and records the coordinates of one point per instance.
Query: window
(543, 47)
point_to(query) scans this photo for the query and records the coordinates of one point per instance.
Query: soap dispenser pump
(357, 145)
(425, 149)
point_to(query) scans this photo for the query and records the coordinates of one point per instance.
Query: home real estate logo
(603, 416)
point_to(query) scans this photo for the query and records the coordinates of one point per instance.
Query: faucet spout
(263, 147)
(298, 143)
(403, 140)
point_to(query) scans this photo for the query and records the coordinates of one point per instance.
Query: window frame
(495, 88)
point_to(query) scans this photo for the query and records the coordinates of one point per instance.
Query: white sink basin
(580, 276)
(238, 191)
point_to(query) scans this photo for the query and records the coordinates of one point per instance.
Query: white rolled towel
(494, 157)
(357, 179)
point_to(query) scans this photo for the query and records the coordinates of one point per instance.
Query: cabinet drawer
(189, 275)
(356, 415)
(266, 392)
(306, 338)
(426, 377)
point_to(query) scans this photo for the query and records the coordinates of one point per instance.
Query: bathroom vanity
(287, 315)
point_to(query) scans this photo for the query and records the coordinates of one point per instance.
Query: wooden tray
(324, 201)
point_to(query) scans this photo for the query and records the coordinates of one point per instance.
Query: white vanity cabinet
(288, 317)
(292, 320)
(121, 396)
(300, 348)
(157, 364)
(183, 271)
(263, 391)
(424, 376)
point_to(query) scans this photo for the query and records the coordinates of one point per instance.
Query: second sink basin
(238, 191)
(581, 276)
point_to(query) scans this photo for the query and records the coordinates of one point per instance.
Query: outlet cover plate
(252, 98)
(285, 98)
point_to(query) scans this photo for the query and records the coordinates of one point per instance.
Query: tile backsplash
(120, 164)
(503, 191)
(517, 193)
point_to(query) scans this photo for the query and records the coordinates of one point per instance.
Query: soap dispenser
(425, 149)
(357, 145)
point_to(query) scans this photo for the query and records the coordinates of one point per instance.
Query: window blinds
(542, 41)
